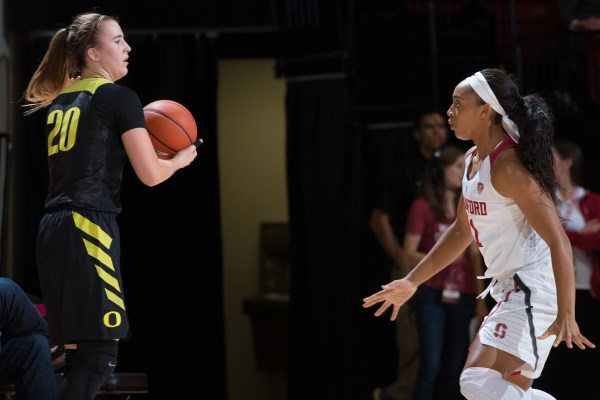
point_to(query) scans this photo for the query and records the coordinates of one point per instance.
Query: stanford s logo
(500, 331)
(479, 187)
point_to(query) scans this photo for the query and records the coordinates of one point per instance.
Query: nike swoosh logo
(110, 364)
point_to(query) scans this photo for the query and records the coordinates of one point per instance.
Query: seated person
(58, 351)
(25, 355)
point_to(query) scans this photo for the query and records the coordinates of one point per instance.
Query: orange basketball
(171, 126)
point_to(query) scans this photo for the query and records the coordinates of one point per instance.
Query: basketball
(171, 127)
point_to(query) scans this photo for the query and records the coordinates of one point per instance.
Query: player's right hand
(394, 295)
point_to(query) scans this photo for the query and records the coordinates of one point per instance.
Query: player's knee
(470, 383)
(87, 368)
(474, 383)
(477, 383)
(100, 356)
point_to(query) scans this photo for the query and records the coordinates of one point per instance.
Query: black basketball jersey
(86, 156)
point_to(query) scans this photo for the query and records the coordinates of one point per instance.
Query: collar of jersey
(88, 85)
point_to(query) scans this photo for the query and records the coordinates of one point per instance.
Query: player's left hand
(567, 330)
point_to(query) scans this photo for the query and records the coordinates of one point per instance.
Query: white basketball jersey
(503, 235)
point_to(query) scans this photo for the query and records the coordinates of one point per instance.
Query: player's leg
(480, 383)
(86, 368)
(490, 372)
(506, 355)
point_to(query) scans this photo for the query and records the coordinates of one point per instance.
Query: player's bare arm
(452, 243)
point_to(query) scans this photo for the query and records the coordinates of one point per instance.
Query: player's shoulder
(508, 165)
(115, 96)
(114, 89)
(509, 175)
(508, 159)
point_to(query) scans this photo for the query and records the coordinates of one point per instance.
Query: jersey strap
(505, 144)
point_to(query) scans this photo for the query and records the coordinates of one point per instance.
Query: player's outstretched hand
(394, 294)
(567, 330)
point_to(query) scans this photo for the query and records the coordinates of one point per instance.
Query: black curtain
(170, 233)
(331, 335)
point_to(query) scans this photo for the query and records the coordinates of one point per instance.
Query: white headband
(483, 89)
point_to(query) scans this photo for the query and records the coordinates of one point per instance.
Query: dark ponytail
(535, 145)
(535, 121)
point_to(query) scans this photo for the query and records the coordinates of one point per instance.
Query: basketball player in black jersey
(93, 127)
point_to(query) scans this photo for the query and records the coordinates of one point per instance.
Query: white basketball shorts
(526, 307)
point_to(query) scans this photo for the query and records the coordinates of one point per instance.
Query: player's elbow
(150, 179)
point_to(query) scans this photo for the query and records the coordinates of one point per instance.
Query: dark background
(356, 72)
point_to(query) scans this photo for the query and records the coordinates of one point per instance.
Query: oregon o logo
(112, 319)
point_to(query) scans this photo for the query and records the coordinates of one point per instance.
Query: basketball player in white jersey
(508, 209)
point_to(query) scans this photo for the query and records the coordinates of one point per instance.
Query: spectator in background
(445, 304)
(387, 222)
(579, 209)
(25, 356)
(581, 15)
(580, 20)
(57, 350)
